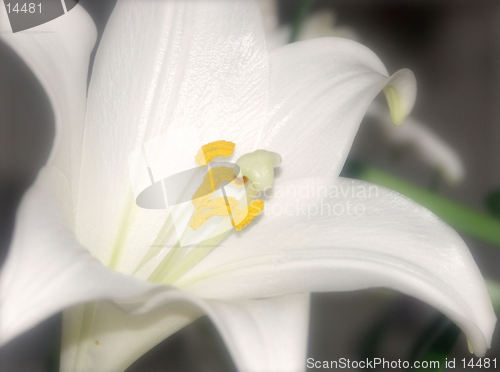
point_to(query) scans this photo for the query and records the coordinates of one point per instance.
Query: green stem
(427, 336)
(302, 12)
(461, 217)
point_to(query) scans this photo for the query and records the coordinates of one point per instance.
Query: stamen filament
(121, 235)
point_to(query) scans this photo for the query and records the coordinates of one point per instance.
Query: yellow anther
(213, 150)
(206, 206)
(257, 170)
(216, 207)
(254, 209)
(213, 180)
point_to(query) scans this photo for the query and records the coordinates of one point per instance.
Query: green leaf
(459, 216)
(492, 202)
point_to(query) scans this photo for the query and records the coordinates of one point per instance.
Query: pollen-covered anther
(254, 209)
(213, 150)
(256, 174)
(206, 208)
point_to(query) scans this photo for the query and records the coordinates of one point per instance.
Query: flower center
(227, 192)
(255, 174)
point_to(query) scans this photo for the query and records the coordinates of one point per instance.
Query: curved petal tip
(400, 93)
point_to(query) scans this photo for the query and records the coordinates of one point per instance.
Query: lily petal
(347, 236)
(110, 336)
(265, 335)
(428, 145)
(321, 90)
(58, 54)
(164, 66)
(261, 335)
(46, 269)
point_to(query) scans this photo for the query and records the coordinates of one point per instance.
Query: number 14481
(26, 8)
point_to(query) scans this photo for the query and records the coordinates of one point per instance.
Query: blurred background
(453, 46)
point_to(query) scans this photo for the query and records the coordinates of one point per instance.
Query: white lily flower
(429, 146)
(163, 66)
